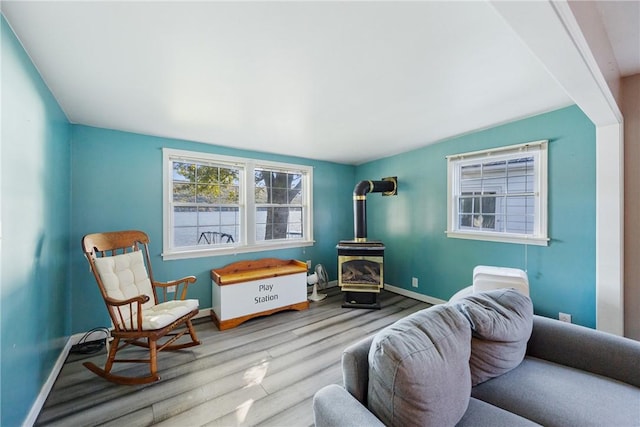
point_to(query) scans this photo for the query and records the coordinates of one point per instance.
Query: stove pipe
(388, 187)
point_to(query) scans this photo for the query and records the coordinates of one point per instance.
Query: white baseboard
(414, 295)
(204, 312)
(401, 291)
(48, 385)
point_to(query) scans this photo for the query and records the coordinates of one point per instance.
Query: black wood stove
(361, 261)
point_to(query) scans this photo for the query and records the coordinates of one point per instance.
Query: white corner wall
(610, 229)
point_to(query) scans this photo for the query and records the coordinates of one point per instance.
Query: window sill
(233, 250)
(499, 237)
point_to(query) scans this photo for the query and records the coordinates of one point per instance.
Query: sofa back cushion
(419, 369)
(501, 321)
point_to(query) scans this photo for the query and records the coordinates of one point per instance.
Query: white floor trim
(414, 295)
(401, 291)
(48, 385)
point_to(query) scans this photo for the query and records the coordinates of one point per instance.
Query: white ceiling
(346, 82)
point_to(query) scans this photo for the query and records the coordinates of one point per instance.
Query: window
(217, 205)
(499, 194)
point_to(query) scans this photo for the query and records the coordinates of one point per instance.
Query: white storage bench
(247, 289)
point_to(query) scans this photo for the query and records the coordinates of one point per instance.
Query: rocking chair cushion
(125, 276)
(164, 313)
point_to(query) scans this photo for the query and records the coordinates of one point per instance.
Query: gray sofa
(485, 360)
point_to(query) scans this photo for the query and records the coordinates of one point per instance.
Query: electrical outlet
(564, 317)
(414, 282)
(308, 264)
(171, 289)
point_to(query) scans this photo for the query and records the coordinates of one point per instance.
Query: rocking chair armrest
(180, 287)
(124, 321)
(186, 280)
(140, 299)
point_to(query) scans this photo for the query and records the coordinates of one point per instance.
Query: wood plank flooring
(263, 372)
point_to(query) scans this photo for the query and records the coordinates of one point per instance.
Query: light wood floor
(263, 372)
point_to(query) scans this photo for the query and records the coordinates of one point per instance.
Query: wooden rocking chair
(143, 311)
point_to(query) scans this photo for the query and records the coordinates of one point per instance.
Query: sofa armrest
(355, 369)
(333, 406)
(586, 349)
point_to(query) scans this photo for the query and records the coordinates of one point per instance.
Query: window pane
(263, 178)
(185, 220)
(488, 205)
(183, 172)
(275, 223)
(476, 221)
(471, 186)
(294, 224)
(261, 224)
(207, 174)
(518, 214)
(207, 193)
(487, 221)
(297, 198)
(208, 216)
(494, 185)
(470, 172)
(184, 216)
(468, 205)
(218, 225)
(208, 187)
(185, 236)
(517, 184)
(279, 210)
(261, 194)
(229, 194)
(184, 193)
(521, 175)
(494, 169)
(465, 221)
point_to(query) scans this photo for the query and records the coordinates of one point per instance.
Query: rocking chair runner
(141, 315)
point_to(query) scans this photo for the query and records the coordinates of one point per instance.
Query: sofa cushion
(501, 321)
(419, 369)
(482, 413)
(557, 395)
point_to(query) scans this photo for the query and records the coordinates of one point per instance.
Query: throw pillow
(419, 369)
(501, 321)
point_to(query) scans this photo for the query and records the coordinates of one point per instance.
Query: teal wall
(34, 267)
(412, 224)
(117, 185)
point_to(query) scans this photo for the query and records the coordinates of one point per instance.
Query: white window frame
(537, 149)
(247, 241)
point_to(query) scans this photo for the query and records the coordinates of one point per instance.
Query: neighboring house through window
(499, 194)
(219, 204)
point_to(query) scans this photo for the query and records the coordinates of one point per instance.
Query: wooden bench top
(245, 271)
